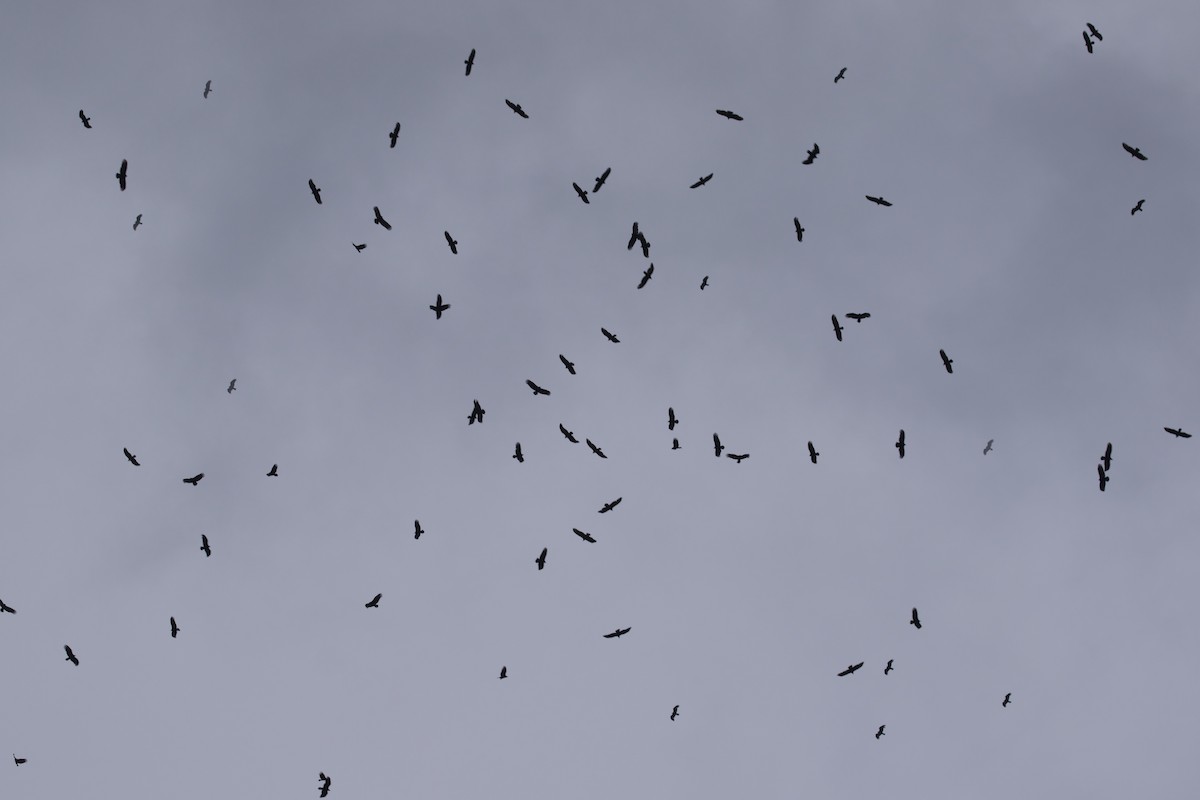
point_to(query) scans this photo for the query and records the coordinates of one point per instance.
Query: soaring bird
(516, 107)
(204, 546)
(121, 175)
(900, 443)
(812, 453)
(1106, 459)
(1087, 41)
(18, 761)
(879, 201)
(888, 668)
(879, 732)
(87, 121)
(837, 327)
(729, 114)
(570, 365)
(1095, 33)
(600, 181)
(1136, 152)
(132, 458)
(672, 420)
(703, 283)
(595, 449)
(417, 529)
(1178, 433)
(858, 317)
(207, 89)
(195, 479)
(674, 444)
(137, 223)
(70, 655)
(439, 307)
(536, 389)
(799, 229)
(503, 673)
(633, 237)
(569, 434)
(618, 633)
(915, 621)
(477, 413)
(518, 455)
(316, 192)
(812, 154)
(717, 446)
(359, 247)
(840, 75)
(646, 275)
(739, 458)
(232, 387)
(325, 784)
(395, 134)
(379, 220)
(274, 473)
(607, 507)
(541, 560)
(579, 190)
(1007, 700)
(702, 181)
(1104, 479)
(450, 240)
(6, 608)
(587, 537)
(470, 62)
(946, 361)
(174, 628)
(375, 601)
(674, 713)
(1137, 208)
(850, 670)
(612, 338)
(645, 244)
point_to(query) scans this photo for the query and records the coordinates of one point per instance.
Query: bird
(837, 328)
(717, 446)
(137, 222)
(888, 668)
(812, 154)
(1104, 479)
(174, 628)
(799, 230)
(609, 506)
(674, 444)
(812, 453)
(672, 420)
(879, 732)
(503, 673)
(729, 114)
(736, 457)
(900, 443)
(633, 237)
(703, 283)
(702, 181)
(439, 307)
(477, 413)
(375, 601)
(18, 761)
(1107, 457)
(987, 448)
(316, 193)
(470, 62)
(536, 389)
(1007, 700)
(579, 190)
(570, 365)
(1087, 41)
(541, 560)
(1095, 33)
(850, 670)
(879, 201)
(1178, 433)
(645, 244)
(379, 220)
(231, 388)
(122, 173)
(274, 473)
(131, 457)
(71, 655)
(204, 546)
(858, 317)
(1136, 152)
(595, 449)
(1137, 208)
(86, 120)
(395, 134)
(207, 89)
(359, 247)
(518, 455)
(417, 529)
(915, 621)
(674, 713)
(325, 785)
(569, 434)
(946, 361)
(600, 181)
(6, 608)
(646, 275)
(516, 107)
(618, 633)
(612, 338)
(195, 479)
(587, 537)
(840, 75)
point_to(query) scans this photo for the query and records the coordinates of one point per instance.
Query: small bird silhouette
(1087, 41)
(204, 546)
(18, 761)
(1136, 152)
(1104, 479)
(579, 190)
(900, 443)
(6, 608)
(394, 135)
(812, 453)
(611, 337)
(812, 154)
(1137, 208)
(799, 229)
(470, 62)
(646, 276)
(888, 668)
(541, 560)
(450, 240)
(207, 89)
(674, 444)
(87, 121)
(123, 173)
(518, 455)
(516, 107)
(840, 75)
(607, 507)
(274, 473)
(1106, 459)
(375, 601)
(1178, 433)
(1007, 700)
(947, 361)
(174, 628)
(232, 387)
(131, 457)
(503, 673)
(987, 448)
(316, 193)
(595, 449)
(439, 307)
(879, 732)
(674, 713)
(618, 633)
(137, 223)
(359, 247)
(417, 530)
(600, 180)
(850, 670)
(837, 327)
(71, 655)
(379, 220)
(702, 181)
(916, 620)
(569, 434)
(879, 201)
(537, 389)
(570, 365)
(195, 479)
(729, 114)
(703, 283)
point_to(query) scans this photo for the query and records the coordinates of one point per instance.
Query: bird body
(137, 223)
(717, 446)
(374, 603)
(570, 365)
(86, 120)
(1178, 433)
(195, 479)
(674, 444)
(274, 473)
(417, 529)
(888, 668)
(379, 220)
(837, 327)
(812, 154)
(859, 317)
(1095, 33)
(610, 505)
(541, 560)
(703, 283)
(987, 448)
(207, 89)
(674, 713)
(850, 670)
(812, 453)
(518, 455)
(879, 732)
(394, 135)
(646, 276)
(1136, 152)
(879, 201)
(71, 655)
(610, 336)
(579, 190)
(841, 74)
(1137, 208)
(6, 608)
(702, 181)
(18, 761)
(204, 546)
(569, 434)
(439, 307)
(947, 362)
(1104, 479)
(316, 193)
(123, 173)
(618, 633)
(1007, 700)
(1106, 459)
(600, 180)
(595, 449)
(470, 62)
(633, 237)
(359, 247)
(672, 420)
(900, 443)
(729, 114)
(174, 628)
(232, 387)
(1087, 41)
(503, 673)
(476, 415)
(131, 457)
(537, 389)
(739, 458)
(799, 229)
(516, 107)
(587, 537)
(916, 620)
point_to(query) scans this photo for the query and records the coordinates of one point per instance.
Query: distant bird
(1137, 208)
(850, 670)
(518, 455)
(674, 713)
(672, 420)
(888, 668)
(1106, 459)
(879, 201)
(879, 732)
(579, 190)
(858, 317)
(946, 361)
(837, 328)
(132, 458)
(359, 247)
(610, 336)
(646, 276)
(87, 121)
(316, 193)
(729, 115)
(702, 181)
(618, 633)
(207, 89)
(536, 389)
(987, 448)
(70, 655)
(738, 458)
(274, 473)
(503, 673)
(915, 621)
(137, 222)
(717, 446)
(174, 628)
(1095, 33)
(18, 761)
(1104, 479)
(379, 220)
(1178, 433)
(477, 413)
(840, 75)
(1087, 41)
(5, 608)
(325, 785)
(516, 107)
(595, 449)
(799, 230)
(375, 601)
(633, 237)
(607, 507)
(812, 453)
(541, 560)
(645, 244)
(570, 435)
(204, 546)
(121, 175)
(395, 134)
(570, 365)
(674, 444)
(195, 479)
(600, 181)
(1007, 700)
(450, 240)
(417, 529)
(231, 388)
(438, 307)
(703, 283)
(900, 443)
(587, 537)
(812, 154)
(470, 62)
(1136, 152)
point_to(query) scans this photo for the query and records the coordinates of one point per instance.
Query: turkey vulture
(646, 275)
(274, 473)
(439, 307)
(325, 785)
(1104, 479)
(395, 134)
(799, 230)
(1137, 208)
(1136, 152)
(570, 365)
(503, 673)
(121, 174)
(610, 336)
(207, 89)
(1087, 41)
(879, 732)
(618, 633)
(375, 601)
(1095, 33)
(915, 621)
(1178, 433)
(477, 413)
(633, 237)
(987, 448)
(888, 668)
(674, 444)
(316, 193)
(946, 361)
(729, 115)
(231, 388)
(879, 201)
(610, 506)
(379, 220)
(359, 247)
(174, 628)
(450, 240)
(859, 317)
(204, 546)
(87, 121)
(672, 420)
(518, 455)
(516, 107)
(837, 328)
(812, 453)
(1107, 457)
(536, 389)
(840, 75)
(812, 154)
(850, 670)
(645, 244)
(736, 457)
(18, 761)
(1007, 700)
(417, 529)
(137, 222)
(569, 434)
(587, 537)
(595, 449)
(470, 62)
(900, 443)
(195, 479)
(717, 446)
(132, 458)
(579, 190)
(702, 181)
(600, 181)
(674, 713)
(703, 283)
(4, 608)
(70, 655)
(541, 560)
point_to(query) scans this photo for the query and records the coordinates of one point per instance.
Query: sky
(747, 586)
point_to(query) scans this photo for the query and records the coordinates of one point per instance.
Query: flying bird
(87, 121)
(1136, 152)
(600, 181)
(888, 668)
(1095, 33)
(672, 420)
(850, 670)
(541, 560)
(132, 458)
(879, 201)
(316, 193)
(879, 732)
(207, 89)
(1107, 457)
(325, 785)
(1137, 208)
(900, 443)
(579, 190)
(417, 529)
(717, 446)
(595, 449)
(812, 154)
(610, 336)
(840, 75)
(1087, 41)
(439, 307)
(274, 473)
(987, 448)
(570, 365)
(702, 181)
(674, 444)
(395, 134)
(204, 546)
(174, 628)
(736, 457)
(587, 537)
(195, 479)
(1007, 700)
(674, 713)
(1178, 433)
(6, 608)
(359, 247)
(607, 507)
(477, 413)
(71, 655)
(858, 317)
(633, 237)
(812, 453)
(645, 244)
(646, 275)
(470, 62)
(379, 220)
(946, 361)
(231, 388)
(569, 434)
(536, 389)
(729, 114)
(799, 230)
(618, 633)
(137, 222)
(915, 621)
(375, 601)
(837, 328)
(18, 761)
(122, 173)
(516, 107)
(703, 283)
(1104, 479)
(503, 673)
(518, 455)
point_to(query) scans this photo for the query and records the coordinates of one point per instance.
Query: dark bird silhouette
(570, 436)
(570, 365)
(672, 420)
(595, 449)
(1007, 700)
(375, 601)
(633, 237)
(516, 107)
(174, 628)
(326, 782)
(859, 317)
(812, 453)
(274, 473)
(900, 443)
(1137, 208)
(618, 633)
(736, 457)
(518, 455)
(888, 668)
(837, 327)
(646, 275)
(1095, 33)
(915, 621)
(207, 89)
(1106, 459)
(703, 283)
(541, 560)
(1087, 41)
(87, 121)
(587, 537)
(579, 190)
(879, 201)
(121, 175)
(799, 229)
(470, 62)
(137, 223)
(850, 670)
(204, 546)
(987, 448)
(812, 154)
(674, 713)
(536, 389)
(18, 761)
(600, 181)
(879, 732)
(503, 673)
(477, 413)
(674, 444)
(195, 479)
(946, 361)
(841, 74)
(717, 446)
(1136, 152)
(702, 181)
(232, 387)
(1178, 433)
(132, 458)
(395, 134)
(450, 240)
(359, 247)
(607, 507)
(645, 244)
(6, 608)
(438, 307)
(729, 115)
(1104, 479)
(379, 220)
(610, 336)
(316, 192)
(417, 529)
(71, 655)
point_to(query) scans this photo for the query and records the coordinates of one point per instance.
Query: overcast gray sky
(748, 586)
